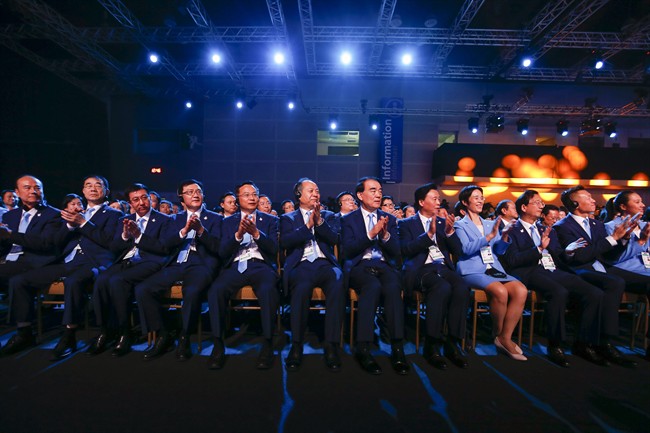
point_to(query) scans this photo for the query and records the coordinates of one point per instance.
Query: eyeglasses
(191, 192)
(144, 198)
(249, 195)
(537, 203)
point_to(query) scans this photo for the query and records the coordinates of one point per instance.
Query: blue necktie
(535, 235)
(375, 254)
(87, 215)
(314, 255)
(597, 265)
(16, 250)
(189, 240)
(245, 242)
(585, 225)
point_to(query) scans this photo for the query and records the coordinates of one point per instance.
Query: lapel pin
(522, 230)
(205, 217)
(38, 214)
(153, 220)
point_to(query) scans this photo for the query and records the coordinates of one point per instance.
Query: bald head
(29, 190)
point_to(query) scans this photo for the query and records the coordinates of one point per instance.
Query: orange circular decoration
(500, 172)
(510, 161)
(547, 161)
(563, 166)
(578, 160)
(526, 168)
(640, 176)
(463, 173)
(571, 175)
(602, 176)
(568, 150)
(467, 164)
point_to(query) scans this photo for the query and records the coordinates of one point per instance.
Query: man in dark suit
(537, 259)
(248, 249)
(589, 262)
(371, 251)
(309, 242)
(84, 240)
(426, 239)
(193, 236)
(27, 241)
(141, 252)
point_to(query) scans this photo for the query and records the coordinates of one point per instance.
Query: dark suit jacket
(267, 243)
(294, 235)
(207, 246)
(39, 240)
(415, 245)
(355, 242)
(94, 237)
(522, 256)
(151, 246)
(568, 230)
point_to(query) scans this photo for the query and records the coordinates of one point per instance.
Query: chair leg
(474, 318)
(531, 328)
(417, 324)
(39, 317)
(352, 303)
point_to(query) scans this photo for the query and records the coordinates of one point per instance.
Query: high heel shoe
(502, 348)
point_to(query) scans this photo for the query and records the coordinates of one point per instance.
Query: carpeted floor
(496, 394)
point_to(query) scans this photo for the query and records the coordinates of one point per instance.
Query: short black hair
(548, 208)
(343, 194)
(466, 192)
(135, 187)
(244, 183)
(69, 197)
(361, 185)
(567, 197)
(503, 204)
(523, 200)
(184, 183)
(421, 193)
(226, 194)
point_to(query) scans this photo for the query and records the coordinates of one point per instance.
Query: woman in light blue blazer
(628, 204)
(481, 269)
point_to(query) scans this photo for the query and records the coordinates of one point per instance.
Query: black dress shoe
(20, 341)
(556, 355)
(217, 358)
(66, 346)
(455, 356)
(123, 346)
(366, 361)
(398, 360)
(294, 358)
(265, 358)
(332, 360)
(99, 345)
(184, 348)
(164, 343)
(613, 355)
(431, 353)
(587, 352)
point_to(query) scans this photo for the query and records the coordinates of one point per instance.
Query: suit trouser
(261, 277)
(556, 287)
(9, 270)
(373, 279)
(446, 297)
(613, 287)
(634, 281)
(302, 280)
(113, 289)
(196, 278)
(78, 273)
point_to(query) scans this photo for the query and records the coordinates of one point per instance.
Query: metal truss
(280, 26)
(560, 110)
(124, 16)
(200, 17)
(386, 11)
(307, 24)
(467, 13)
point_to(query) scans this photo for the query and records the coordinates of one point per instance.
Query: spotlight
(373, 121)
(562, 127)
(333, 121)
(407, 59)
(346, 57)
(239, 104)
(522, 126)
(278, 58)
(526, 62)
(153, 58)
(494, 123)
(291, 105)
(472, 124)
(240, 99)
(216, 58)
(591, 126)
(188, 104)
(610, 129)
(599, 64)
(251, 103)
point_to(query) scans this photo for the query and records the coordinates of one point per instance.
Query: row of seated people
(144, 253)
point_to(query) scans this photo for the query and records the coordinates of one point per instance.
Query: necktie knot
(89, 213)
